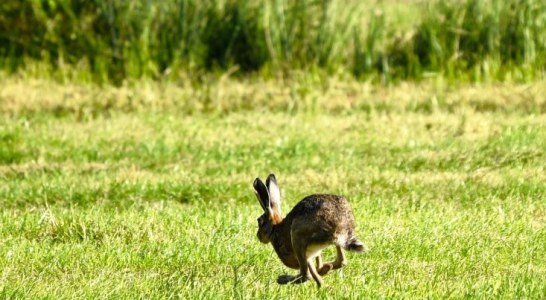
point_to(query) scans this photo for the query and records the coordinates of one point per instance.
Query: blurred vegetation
(110, 41)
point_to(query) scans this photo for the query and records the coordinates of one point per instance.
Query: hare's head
(269, 196)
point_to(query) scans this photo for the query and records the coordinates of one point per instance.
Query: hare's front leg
(336, 264)
(322, 268)
(305, 254)
(319, 262)
(314, 273)
(300, 251)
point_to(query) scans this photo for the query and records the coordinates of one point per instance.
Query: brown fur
(276, 219)
(314, 223)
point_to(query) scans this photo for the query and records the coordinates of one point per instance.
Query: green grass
(448, 189)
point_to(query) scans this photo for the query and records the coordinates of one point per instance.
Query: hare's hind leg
(336, 264)
(340, 258)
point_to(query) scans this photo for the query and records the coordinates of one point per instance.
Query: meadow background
(131, 131)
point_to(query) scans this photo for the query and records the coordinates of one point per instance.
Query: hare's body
(314, 223)
(321, 220)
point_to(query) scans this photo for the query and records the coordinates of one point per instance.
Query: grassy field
(132, 192)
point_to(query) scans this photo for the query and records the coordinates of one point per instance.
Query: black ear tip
(271, 177)
(257, 182)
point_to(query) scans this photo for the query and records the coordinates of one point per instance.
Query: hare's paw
(284, 279)
(299, 279)
(325, 269)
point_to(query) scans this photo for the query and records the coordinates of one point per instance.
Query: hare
(314, 223)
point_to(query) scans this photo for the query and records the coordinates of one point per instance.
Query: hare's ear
(262, 194)
(274, 196)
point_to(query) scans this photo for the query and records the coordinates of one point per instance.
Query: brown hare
(314, 223)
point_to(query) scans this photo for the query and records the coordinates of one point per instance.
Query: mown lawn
(159, 204)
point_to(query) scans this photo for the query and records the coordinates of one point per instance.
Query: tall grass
(107, 40)
(480, 39)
